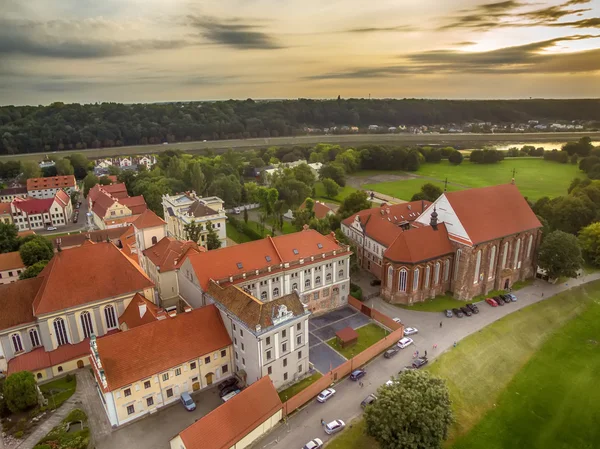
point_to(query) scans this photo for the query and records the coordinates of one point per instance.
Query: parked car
(236, 210)
(491, 302)
(473, 308)
(187, 402)
(458, 313)
(448, 313)
(512, 297)
(375, 282)
(225, 391)
(325, 395)
(404, 342)
(389, 383)
(358, 374)
(368, 400)
(466, 311)
(334, 426)
(410, 331)
(397, 320)
(419, 362)
(391, 352)
(498, 300)
(506, 299)
(227, 383)
(51, 228)
(228, 396)
(312, 444)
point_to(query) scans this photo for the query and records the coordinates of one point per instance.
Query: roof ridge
(275, 248)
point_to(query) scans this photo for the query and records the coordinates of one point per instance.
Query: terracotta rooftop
(118, 190)
(69, 241)
(168, 253)
(419, 244)
(92, 273)
(236, 418)
(198, 209)
(16, 300)
(102, 202)
(9, 261)
(320, 209)
(142, 351)
(139, 311)
(251, 310)
(51, 182)
(347, 334)
(148, 219)
(5, 208)
(39, 359)
(33, 205)
(137, 204)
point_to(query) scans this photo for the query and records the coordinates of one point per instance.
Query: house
(112, 207)
(48, 187)
(11, 267)
(9, 194)
(147, 161)
(237, 423)
(138, 372)
(185, 208)
(47, 321)
(5, 213)
(40, 213)
(115, 235)
(320, 209)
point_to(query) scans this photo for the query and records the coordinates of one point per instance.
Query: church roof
(420, 244)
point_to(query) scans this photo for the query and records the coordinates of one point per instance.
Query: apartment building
(5, 213)
(112, 207)
(49, 187)
(9, 194)
(11, 267)
(40, 213)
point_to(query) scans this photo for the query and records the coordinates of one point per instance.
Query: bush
(356, 291)
(18, 435)
(69, 377)
(455, 158)
(75, 415)
(20, 391)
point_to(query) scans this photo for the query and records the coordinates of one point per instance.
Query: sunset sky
(170, 50)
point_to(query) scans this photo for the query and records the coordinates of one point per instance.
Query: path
(305, 423)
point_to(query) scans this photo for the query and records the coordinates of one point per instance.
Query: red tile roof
(140, 352)
(33, 205)
(92, 273)
(39, 359)
(489, 213)
(321, 210)
(167, 254)
(62, 198)
(382, 223)
(16, 300)
(148, 219)
(51, 182)
(5, 208)
(9, 261)
(347, 334)
(139, 311)
(76, 239)
(419, 244)
(137, 204)
(230, 422)
(102, 203)
(118, 190)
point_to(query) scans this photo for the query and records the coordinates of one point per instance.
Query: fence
(348, 366)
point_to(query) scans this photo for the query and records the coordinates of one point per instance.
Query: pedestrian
(322, 422)
(426, 353)
(542, 294)
(441, 324)
(455, 344)
(435, 346)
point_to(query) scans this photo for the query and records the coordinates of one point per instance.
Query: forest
(59, 126)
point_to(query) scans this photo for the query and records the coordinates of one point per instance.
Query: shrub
(356, 291)
(69, 378)
(20, 391)
(18, 434)
(75, 415)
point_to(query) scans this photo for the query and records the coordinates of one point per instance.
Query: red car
(491, 302)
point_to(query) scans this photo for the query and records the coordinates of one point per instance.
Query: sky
(181, 50)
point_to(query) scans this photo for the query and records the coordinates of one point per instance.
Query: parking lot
(323, 328)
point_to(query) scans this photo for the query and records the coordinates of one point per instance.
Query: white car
(51, 228)
(313, 444)
(325, 394)
(410, 331)
(236, 210)
(335, 427)
(397, 320)
(404, 342)
(389, 383)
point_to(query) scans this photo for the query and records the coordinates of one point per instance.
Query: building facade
(7, 195)
(37, 213)
(11, 266)
(112, 207)
(49, 187)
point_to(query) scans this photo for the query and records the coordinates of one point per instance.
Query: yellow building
(138, 372)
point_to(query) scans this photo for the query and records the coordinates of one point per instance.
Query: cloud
(380, 29)
(234, 33)
(583, 23)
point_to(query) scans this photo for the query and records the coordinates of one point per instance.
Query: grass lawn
(437, 304)
(236, 235)
(404, 190)
(367, 336)
(344, 192)
(535, 177)
(353, 437)
(59, 390)
(284, 395)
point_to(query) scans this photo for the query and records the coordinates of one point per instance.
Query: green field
(367, 336)
(284, 395)
(235, 235)
(535, 177)
(344, 192)
(437, 304)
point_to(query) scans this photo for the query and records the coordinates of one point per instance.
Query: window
(192, 366)
(178, 371)
(170, 393)
(529, 245)
(241, 332)
(299, 368)
(294, 286)
(224, 368)
(263, 296)
(60, 369)
(299, 355)
(154, 240)
(505, 254)
(34, 337)
(307, 283)
(147, 384)
(492, 262)
(299, 326)
(427, 275)
(477, 267)
(269, 355)
(130, 410)
(60, 331)
(390, 276)
(402, 280)
(269, 370)
(296, 251)
(416, 279)
(86, 324)
(111, 319)
(233, 326)
(320, 245)
(516, 257)
(446, 269)
(268, 341)
(243, 361)
(436, 273)
(284, 333)
(318, 280)
(299, 340)
(328, 277)
(127, 392)
(165, 377)
(235, 341)
(268, 258)
(275, 292)
(284, 347)
(341, 274)
(39, 375)
(224, 353)
(243, 349)
(316, 295)
(16, 341)
(239, 265)
(207, 359)
(284, 362)
(458, 254)
(149, 402)
(285, 376)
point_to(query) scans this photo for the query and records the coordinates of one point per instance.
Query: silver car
(335, 427)
(313, 444)
(410, 331)
(325, 394)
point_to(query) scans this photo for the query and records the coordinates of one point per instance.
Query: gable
(448, 216)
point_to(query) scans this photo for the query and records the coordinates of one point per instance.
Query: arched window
(446, 269)
(529, 244)
(436, 273)
(328, 277)
(154, 240)
(16, 341)
(427, 275)
(516, 256)
(86, 324)
(263, 296)
(415, 280)
(477, 267)
(505, 254)
(402, 280)
(61, 332)
(39, 375)
(318, 280)
(492, 262)
(307, 283)
(457, 263)
(111, 318)
(275, 292)
(34, 337)
(341, 274)
(294, 286)
(390, 276)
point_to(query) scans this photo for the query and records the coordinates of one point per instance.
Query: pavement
(305, 424)
(81, 224)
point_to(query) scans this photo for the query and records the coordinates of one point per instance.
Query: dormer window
(268, 258)
(239, 265)
(296, 252)
(319, 245)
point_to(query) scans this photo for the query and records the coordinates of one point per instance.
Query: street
(305, 424)
(81, 224)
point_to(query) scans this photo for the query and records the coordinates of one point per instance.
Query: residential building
(138, 371)
(48, 187)
(185, 208)
(237, 423)
(9, 194)
(321, 210)
(40, 213)
(47, 320)
(112, 207)
(11, 267)
(115, 235)
(5, 213)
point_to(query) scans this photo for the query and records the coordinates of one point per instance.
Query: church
(466, 243)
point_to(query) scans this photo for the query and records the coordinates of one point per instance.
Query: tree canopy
(353, 203)
(36, 249)
(589, 239)
(20, 391)
(560, 255)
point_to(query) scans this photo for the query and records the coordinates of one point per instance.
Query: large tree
(36, 250)
(334, 171)
(589, 239)
(20, 392)
(413, 413)
(9, 237)
(33, 270)
(429, 192)
(331, 188)
(30, 169)
(212, 238)
(560, 255)
(353, 203)
(64, 167)
(193, 231)
(88, 182)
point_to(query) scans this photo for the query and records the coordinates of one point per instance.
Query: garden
(71, 433)
(368, 335)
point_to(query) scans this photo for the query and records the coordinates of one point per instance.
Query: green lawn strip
(353, 437)
(284, 395)
(405, 189)
(344, 192)
(478, 370)
(59, 390)
(236, 235)
(437, 304)
(554, 401)
(367, 336)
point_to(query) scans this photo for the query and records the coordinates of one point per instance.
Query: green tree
(81, 165)
(197, 180)
(30, 169)
(429, 192)
(88, 182)
(64, 167)
(212, 238)
(331, 188)
(334, 171)
(104, 181)
(305, 215)
(414, 412)
(353, 203)
(304, 173)
(560, 255)
(36, 250)
(33, 270)
(9, 237)
(413, 161)
(193, 231)
(589, 239)
(245, 215)
(20, 392)
(455, 157)
(570, 213)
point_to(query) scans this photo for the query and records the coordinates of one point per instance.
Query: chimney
(161, 315)
(173, 313)
(258, 328)
(187, 309)
(409, 207)
(142, 306)
(305, 227)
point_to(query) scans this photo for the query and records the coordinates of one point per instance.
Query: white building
(37, 213)
(48, 187)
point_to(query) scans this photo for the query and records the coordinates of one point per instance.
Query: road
(401, 139)
(305, 424)
(71, 227)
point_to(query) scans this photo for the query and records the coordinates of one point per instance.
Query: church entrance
(506, 286)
